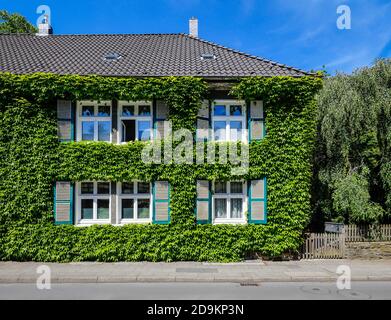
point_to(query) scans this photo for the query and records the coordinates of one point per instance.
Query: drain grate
(248, 284)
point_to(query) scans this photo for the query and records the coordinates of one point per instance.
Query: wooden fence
(355, 233)
(332, 245)
(324, 246)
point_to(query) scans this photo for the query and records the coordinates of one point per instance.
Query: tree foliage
(15, 23)
(352, 173)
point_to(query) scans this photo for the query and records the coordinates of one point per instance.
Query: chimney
(44, 28)
(193, 27)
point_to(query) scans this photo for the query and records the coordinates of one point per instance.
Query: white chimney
(44, 28)
(193, 27)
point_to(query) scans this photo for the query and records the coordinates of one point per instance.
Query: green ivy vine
(31, 159)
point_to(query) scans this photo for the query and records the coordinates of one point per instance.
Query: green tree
(15, 23)
(352, 181)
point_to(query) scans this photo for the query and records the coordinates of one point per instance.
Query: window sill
(229, 221)
(134, 221)
(88, 223)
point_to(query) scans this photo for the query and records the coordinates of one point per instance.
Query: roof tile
(141, 55)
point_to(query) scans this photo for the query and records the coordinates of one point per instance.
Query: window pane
(219, 110)
(87, 206)
(144, 130)
(104, 128)
(143, 187)
(87, 188)
(143, 208)
(128, 111)
(87, 111)
(236, 130)
(103, 209)
(128, 130)
(220, 187)
(236, 208)
(127, 188)
(103, 187)
(144, 110)
(219, 130)
(220, 208)
(235, 110)
(237, 187)
(87, 130)
(104, 111)
(127, 209)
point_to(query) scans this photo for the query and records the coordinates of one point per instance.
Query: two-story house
(120, 122)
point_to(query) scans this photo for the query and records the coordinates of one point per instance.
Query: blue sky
(300, 33)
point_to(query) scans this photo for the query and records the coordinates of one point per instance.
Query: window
(135, 120)
(229, 202)
(228, 120)
(135, 202)
(93, 202)
(94, 121)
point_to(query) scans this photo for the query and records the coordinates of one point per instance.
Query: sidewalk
(243, 272)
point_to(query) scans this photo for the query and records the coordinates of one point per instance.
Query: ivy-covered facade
(74, 185)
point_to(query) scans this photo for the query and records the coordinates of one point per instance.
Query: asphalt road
(182, 291)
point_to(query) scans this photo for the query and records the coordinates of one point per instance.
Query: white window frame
(95, 118)
(228, 119)
(95, 197)
(229, 196)
(135, 117)
(135, 196)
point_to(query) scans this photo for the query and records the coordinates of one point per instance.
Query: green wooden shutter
(160, 116)
(161, 202)
(256, 120)
(257, 201)
(63, 203)
(204, 203)
(65, 120)
(203, 121)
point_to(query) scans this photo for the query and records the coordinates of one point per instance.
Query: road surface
(166, 291)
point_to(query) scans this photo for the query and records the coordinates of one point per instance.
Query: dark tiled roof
(141, 55)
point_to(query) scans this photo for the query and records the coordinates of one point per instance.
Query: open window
(135, 120)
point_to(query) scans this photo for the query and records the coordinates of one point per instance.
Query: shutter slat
(256, 120)
(160, 130)
(63, 203)
(203, 121)
(203, 112)
(64, 109)
(256, 110)
(64, 130)
(161, 202)
(161, 110)
(257, 197)
(161, 188)
(203, 203)
(65, 121)
(257, 129)
(161, 213)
